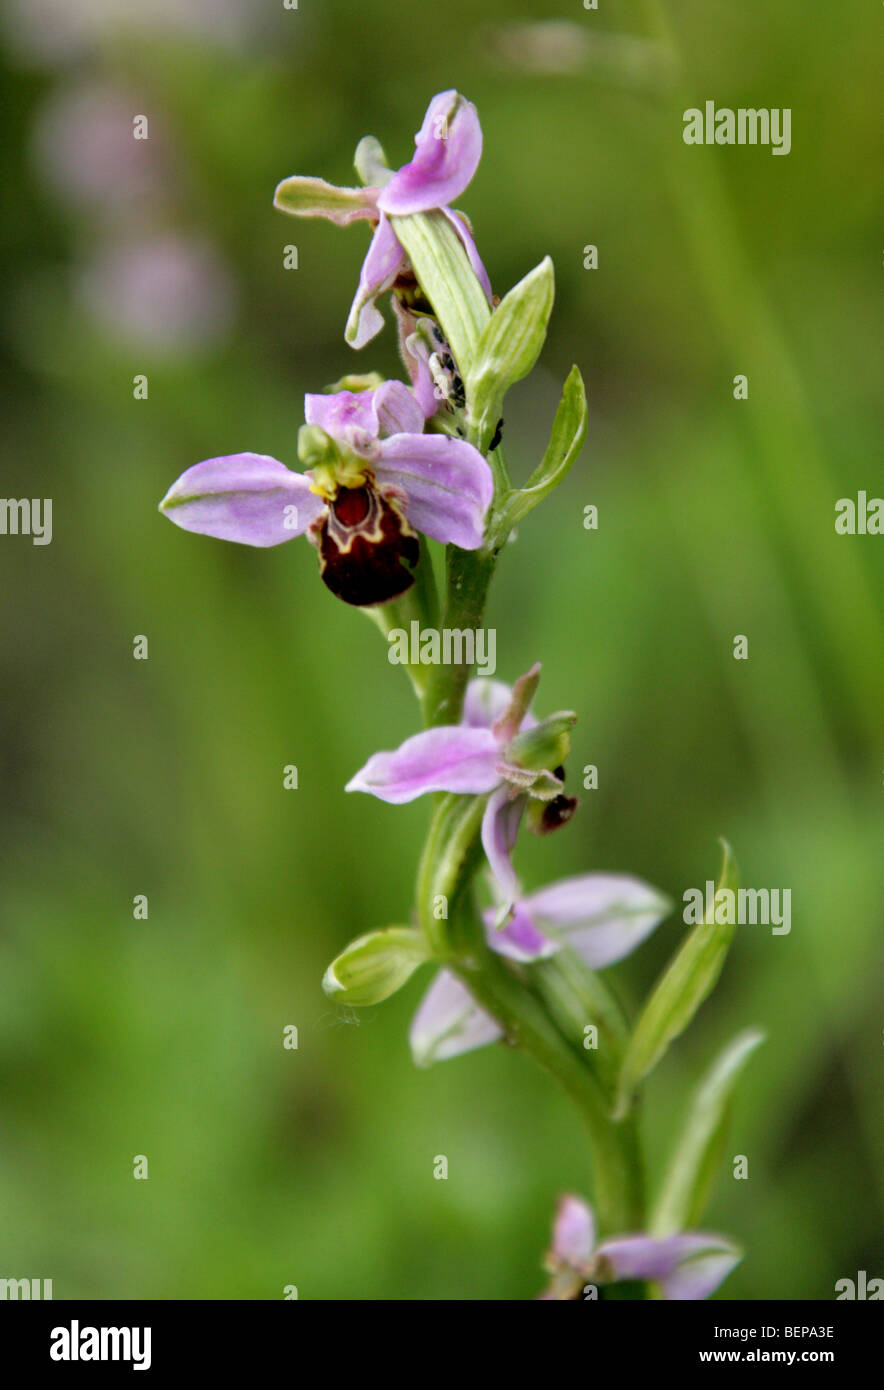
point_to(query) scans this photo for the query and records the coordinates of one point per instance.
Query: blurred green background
(164, 777)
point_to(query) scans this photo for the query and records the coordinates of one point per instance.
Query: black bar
(228, 1338)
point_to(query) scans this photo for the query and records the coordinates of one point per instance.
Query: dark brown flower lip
(367, 550)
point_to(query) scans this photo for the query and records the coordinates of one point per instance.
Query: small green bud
(374, 966)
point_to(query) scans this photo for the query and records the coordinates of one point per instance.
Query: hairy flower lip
(367, 550)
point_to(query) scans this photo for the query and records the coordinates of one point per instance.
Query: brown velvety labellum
(367, 550)
(557, 813)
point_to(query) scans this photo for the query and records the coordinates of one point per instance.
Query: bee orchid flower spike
(391, 472)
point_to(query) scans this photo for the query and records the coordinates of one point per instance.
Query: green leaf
(566, 441)
(686, 982)
(374, 966)
(508, 348)
(695, 1159)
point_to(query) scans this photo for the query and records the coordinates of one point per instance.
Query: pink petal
(449, 147)
(447, 484)
(380, 268)
(398, 411)
(447, 759)
(520, 938)
(573, 1233)
(461, 226)
(350, 415)
(341, 412)
(448, 1022)
(248, 498)
(700, 1275)
(484, 702)
(500, 829)
(602, 917)
(688, 1267)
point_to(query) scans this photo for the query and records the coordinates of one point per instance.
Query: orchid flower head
(602, 918)
(499, 749)
(448, 148)
(373, 480)
(687, 1266)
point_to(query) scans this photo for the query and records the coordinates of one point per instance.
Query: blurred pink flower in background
(166, 291)
(61, 31)
(83, 147)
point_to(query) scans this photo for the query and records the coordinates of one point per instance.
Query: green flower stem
(616, 1156)
(502, 486)
(425, 593)
(469, 574)
(575, 996)
(419, 603)
(446, 866)
(450, 858)
(451, 926)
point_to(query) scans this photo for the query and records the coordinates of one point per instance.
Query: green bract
(687, 981)
(694, 1162)
(508, 348)
(566, 441)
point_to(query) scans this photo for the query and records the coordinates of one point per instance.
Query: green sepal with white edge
(309, 197)
(375, 966)
(443, 270)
